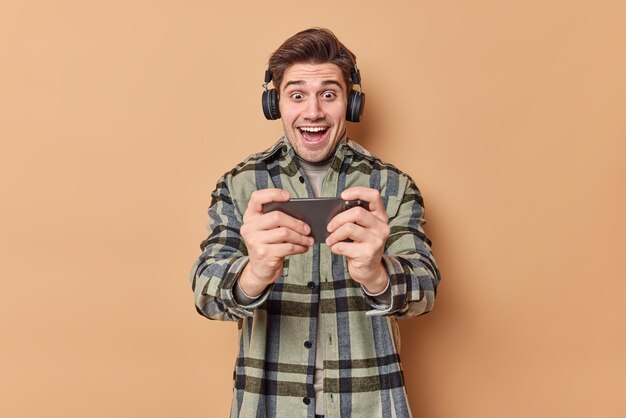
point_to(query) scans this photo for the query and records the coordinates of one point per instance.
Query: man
(318, 332)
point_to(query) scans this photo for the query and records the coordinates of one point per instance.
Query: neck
(316, 164)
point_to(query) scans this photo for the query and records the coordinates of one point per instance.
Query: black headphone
(354, 111)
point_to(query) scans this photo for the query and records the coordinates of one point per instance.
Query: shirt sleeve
(409, 262)
(224, 255)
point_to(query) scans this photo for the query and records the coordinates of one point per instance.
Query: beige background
(117, 117)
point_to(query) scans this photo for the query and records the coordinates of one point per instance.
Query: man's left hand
(368, 230)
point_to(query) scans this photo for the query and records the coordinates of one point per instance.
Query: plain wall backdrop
(118, 117)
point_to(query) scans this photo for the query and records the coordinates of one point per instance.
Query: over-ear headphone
(354, 111)
(270, 99)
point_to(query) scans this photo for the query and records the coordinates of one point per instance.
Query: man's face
(313, 101)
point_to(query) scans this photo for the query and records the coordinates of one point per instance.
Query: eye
(297, 96)
(329, 95)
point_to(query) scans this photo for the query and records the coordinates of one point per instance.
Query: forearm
(251, 286)
(379, 283)
(408, 261)
(212, 282)
(223, 259)
(382, 294)
(413, 283)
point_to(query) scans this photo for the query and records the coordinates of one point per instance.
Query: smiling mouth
(313, 134)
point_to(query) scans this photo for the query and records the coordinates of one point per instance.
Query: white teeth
(312, 128)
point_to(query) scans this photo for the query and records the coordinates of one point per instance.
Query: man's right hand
(269, 238)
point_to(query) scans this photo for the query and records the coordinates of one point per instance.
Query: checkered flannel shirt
(274, 370)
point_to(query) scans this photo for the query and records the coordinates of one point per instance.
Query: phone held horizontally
(315, 212)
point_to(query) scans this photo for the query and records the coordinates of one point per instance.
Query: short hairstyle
(312, 46)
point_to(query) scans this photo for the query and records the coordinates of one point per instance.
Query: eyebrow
(324, 83)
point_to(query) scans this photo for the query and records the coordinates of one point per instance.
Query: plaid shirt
(275, 365)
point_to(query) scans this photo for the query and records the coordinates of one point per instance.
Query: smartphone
(315, 212)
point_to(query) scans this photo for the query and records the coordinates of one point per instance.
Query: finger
(341, 247)
(349, 231)
(260, 197)
(349, 250)
(284, 235)
(277, 219)
(285, 249)
(371, 196)
(357, 215)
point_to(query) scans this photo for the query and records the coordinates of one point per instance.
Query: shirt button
(306, 401)
(310, 285)
(308, 344)
(301, 179)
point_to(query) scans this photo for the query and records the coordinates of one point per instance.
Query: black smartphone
(315, 212)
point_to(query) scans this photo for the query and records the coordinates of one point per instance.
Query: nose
(313, 110)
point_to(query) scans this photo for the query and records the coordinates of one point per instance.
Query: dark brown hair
(312, 46)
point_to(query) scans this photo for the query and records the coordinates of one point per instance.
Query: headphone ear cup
(269, 101)
(356, 105)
